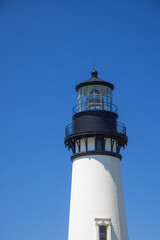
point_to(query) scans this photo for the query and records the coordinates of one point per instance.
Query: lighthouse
(95, 136)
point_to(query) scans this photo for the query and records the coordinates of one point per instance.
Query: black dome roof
(94, 80)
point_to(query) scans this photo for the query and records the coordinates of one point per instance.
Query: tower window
(99, 144)
(102, 233)
(103, 228)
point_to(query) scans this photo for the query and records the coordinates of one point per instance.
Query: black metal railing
(119, 128)
(89, 106)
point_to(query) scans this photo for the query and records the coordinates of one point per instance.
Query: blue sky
(46, 48)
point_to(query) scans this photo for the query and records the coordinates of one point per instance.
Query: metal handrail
(95, 106)
(118, 128)
(101, 96)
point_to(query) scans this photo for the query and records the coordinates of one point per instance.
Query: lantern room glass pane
(94, 97)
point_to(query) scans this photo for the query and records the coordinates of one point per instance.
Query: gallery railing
(95, 105)
(109, 128)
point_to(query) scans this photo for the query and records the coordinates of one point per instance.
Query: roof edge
(94, 82)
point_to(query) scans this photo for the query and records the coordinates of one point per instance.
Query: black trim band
(81, 154)
(95, 81)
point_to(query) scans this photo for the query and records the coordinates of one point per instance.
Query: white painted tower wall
(97, 197)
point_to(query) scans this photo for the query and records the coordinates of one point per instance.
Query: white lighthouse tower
(97, 208)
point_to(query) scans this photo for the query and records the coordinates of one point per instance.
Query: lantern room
(94, 94)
